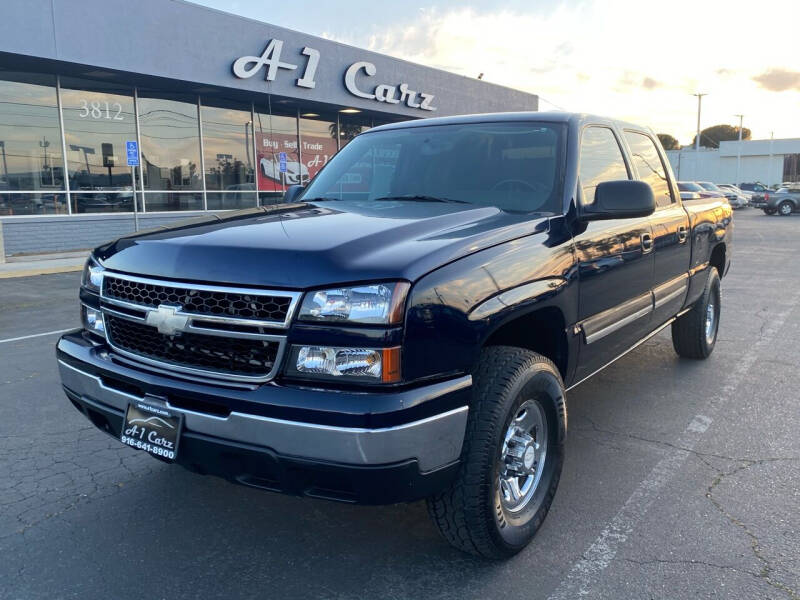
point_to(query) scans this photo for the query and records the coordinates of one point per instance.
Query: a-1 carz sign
(245, 67)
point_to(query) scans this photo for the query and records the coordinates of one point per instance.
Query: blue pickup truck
(408, 325)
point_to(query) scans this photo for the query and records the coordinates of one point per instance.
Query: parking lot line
(35, 335)
(594, 560)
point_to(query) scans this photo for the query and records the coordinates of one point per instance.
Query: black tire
(470, 514)
(769, 211)
(785, 208)
(689, 333)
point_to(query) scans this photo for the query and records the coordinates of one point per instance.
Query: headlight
(381, 303)
(92, 275)
(376, 365)
(92, 320)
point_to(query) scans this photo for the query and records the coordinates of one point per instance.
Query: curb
(42, 271)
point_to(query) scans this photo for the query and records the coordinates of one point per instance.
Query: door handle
(683, 233)
(647, 243)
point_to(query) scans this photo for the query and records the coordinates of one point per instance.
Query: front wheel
(512, 456)
(694, 334)
(785, 208)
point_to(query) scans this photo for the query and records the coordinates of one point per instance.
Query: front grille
(231, 304)
(223, 355)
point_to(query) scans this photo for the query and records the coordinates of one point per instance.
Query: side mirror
(292, 192)
(624, 199)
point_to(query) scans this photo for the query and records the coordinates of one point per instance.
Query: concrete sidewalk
(42, 264)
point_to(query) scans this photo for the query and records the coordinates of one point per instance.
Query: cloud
(566, 54)
(779, 80)
(650, 84)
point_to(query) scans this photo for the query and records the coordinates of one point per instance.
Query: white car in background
(296, 173)
(742, 198)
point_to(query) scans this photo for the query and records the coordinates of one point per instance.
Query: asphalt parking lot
(682, 480)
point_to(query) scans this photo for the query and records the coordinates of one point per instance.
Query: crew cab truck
(408, 325)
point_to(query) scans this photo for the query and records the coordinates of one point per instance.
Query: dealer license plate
(153, 428)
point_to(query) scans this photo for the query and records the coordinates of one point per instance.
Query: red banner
(275, 175)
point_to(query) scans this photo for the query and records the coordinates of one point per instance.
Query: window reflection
(318, 142)
(25, 203)
(601, 160)
(168, 201)
(649, 166)
(98, 120)
(233, 199)
(351, 125)
(227, 146)
(170, 151)
(30, 139)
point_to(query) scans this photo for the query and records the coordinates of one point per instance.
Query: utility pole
(739, 152)
(769, 163)
(699, 104)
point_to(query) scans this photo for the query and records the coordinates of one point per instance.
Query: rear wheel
(769, 211)
(694, 334)
(785, 208)
(512, 456)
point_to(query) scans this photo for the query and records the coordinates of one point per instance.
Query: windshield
(709, 186)
(512, 166)
(687, 186)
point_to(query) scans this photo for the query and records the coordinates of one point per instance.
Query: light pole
(739, 151)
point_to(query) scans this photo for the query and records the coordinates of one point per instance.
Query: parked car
(784, 201)
(753, 188)
(743, 198)
(409, 335)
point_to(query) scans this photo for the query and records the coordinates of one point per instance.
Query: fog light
(376, 364)
(93, 320)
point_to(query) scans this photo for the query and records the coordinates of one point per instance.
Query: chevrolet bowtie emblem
(167, 319)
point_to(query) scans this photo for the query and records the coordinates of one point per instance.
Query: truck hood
(307, 245)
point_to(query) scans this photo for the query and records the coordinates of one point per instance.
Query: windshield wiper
(421, 198)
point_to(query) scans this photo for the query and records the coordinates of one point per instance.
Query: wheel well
(542, 331)
(718, 259)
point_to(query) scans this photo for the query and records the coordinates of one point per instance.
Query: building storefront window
(228, 154)
(31, 160)
(170, 151)
(276, 133)
(350, 125)
(197, 152)
(318, 141)
(98, 120)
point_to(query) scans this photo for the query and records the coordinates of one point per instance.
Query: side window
(601, 160)
(651, 169)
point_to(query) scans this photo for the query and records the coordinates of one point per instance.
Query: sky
(635, 60)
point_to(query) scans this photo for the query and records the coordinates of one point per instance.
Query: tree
(710, 137)
(669, 142)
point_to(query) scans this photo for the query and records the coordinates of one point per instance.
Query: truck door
(615, 261)
(671, 253)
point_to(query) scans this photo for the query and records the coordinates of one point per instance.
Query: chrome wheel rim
(711, 321)
(522, 457)
(786, 209)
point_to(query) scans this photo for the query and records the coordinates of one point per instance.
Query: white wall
(708, 165)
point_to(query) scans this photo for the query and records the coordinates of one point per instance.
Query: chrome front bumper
(434, 441)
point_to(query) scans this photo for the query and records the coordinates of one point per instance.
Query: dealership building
(115, 114)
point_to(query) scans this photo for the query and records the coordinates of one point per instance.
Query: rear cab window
(650, 166)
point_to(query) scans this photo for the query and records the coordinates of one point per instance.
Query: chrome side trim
(607, 322)
(434, 441)
(294, 299)
(671, 289)
(203, 373)
(636, 345)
